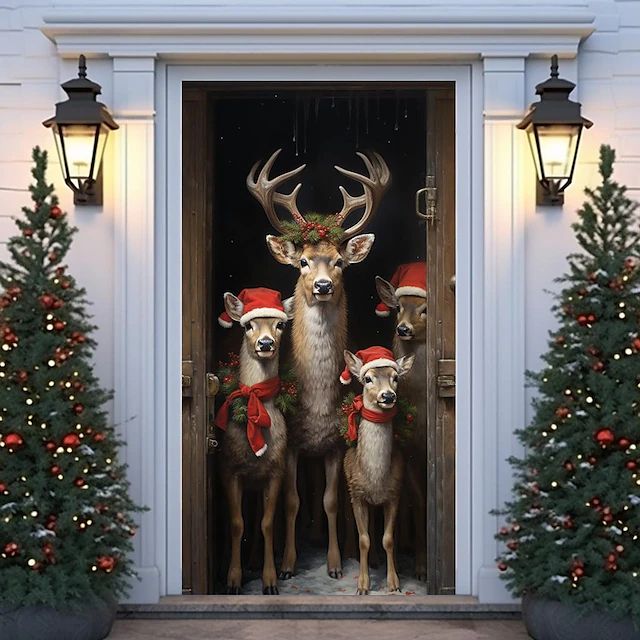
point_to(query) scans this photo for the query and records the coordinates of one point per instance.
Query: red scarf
(358, 409)
(258, 418)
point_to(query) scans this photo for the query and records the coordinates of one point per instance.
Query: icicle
(333, 102)
(406, 106)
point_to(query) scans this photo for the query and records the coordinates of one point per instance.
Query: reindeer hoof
(362, 592)
(336, 574)
(271, 590)
(285, 575)
(233, 591)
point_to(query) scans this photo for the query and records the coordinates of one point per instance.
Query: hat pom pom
(345, 376)
(224, 320)
(382, 310)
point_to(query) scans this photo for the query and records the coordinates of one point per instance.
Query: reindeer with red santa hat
(254, 452)
(373, 469)
(407, 294)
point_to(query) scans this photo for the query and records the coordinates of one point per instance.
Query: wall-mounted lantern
(553, 127)
(80, 128)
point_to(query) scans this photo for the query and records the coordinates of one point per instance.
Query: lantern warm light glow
(80, 128)
(553, 127)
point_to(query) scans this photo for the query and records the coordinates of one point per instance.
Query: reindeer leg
(390, 513)
(233, 485)
(292, 504)
(416, 482)
(361, 514)
(332, 464)
(270, 498)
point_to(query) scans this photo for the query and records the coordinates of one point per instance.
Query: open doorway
(225, 130)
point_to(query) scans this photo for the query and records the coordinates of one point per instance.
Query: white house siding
(607, 72)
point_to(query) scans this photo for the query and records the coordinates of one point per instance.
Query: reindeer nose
(265, 344)
(404, 331)
(388, 397)
(323, 286)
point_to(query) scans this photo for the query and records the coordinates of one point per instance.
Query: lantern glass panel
(80, 148)
(557, 146)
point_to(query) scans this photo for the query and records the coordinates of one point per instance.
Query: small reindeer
(255, 452)
(407, 294)
(373, 468)
(319, 330)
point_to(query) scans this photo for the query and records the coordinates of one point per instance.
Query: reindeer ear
(284, 251)
(357, 249)
(387, 292)
(288, 305)
(234, 306)
(404, 364)
(354, 364)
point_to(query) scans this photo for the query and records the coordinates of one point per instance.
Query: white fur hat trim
(378, 362)
(262, 312)
(411, 291)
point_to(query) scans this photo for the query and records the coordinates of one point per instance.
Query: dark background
(321, 129)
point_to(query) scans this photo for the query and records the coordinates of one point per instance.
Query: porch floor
(189, 629)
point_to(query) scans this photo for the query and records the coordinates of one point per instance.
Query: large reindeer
(255, 452)
(407, 295)
(319, 331)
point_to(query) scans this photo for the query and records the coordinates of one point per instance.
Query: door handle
(212, 388)
(431, 199)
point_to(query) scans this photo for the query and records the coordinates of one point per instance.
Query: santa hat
(259, 302)
(408, 280)
(371, 358)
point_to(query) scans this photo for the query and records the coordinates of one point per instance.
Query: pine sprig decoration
(318, 228)
(66, 514)
(572, 528)
(228, 373)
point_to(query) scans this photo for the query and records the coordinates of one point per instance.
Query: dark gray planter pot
(92, 621)
(553, 620)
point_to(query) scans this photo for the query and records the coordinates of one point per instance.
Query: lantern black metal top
(553, 126)
(81, 126)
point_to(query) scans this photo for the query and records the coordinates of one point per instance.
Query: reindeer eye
(339, 263)
(367, 379)
(303, 262)
(248, 327)
(281, 325)
(395, 378)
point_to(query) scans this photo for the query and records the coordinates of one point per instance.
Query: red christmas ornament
(12, 549)
(27, 233)
(592, 459)
(598, 366)
(55, 212)
(605, 436)
(624, 442)
(512, 545)
(65, 284)
(78, 408)
(14, 292)
(562, 412)
(99, 437)
(591, 318)
(59, 271)
(568, 465)
(578, 572)
(79, 482)
(582, 320)
(502, 566)
(52, 523)
(560, 340)
(46, 300)
(55, 470)
(53, 256)
(3, 487)
(13, 440)
(22, 376)
(106, 563)
(636, 344)
(10, 337)
(630, 263)
(58, 325)
(57, 303)
(595, 501)
(71, 440)
(50, 446)
(504, 531)
(632, 465)
(47, 549)
(410, 418)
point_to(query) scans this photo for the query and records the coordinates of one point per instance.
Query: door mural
(318, 340)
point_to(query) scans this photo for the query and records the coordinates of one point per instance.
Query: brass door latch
(212, 388)
(446, 378)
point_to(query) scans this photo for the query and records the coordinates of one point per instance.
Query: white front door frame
(169, 258)
(154, 48)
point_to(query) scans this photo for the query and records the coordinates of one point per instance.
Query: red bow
(257, 416)
(357, 408)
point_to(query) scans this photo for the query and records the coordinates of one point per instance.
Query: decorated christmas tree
(65, 515)
(572, 529)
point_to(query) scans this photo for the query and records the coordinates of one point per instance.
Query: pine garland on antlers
(317, 228)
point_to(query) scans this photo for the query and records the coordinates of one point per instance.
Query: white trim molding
(371, 31)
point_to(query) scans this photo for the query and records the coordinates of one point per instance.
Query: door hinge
(187, 378)
(430, 193)
(446, 379)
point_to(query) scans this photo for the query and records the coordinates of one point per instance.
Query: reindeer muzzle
(387, 399)
(265, 347)
(404, 332)
(322, 288)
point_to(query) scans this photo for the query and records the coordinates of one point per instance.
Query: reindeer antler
(264, 191)
(375, 185)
